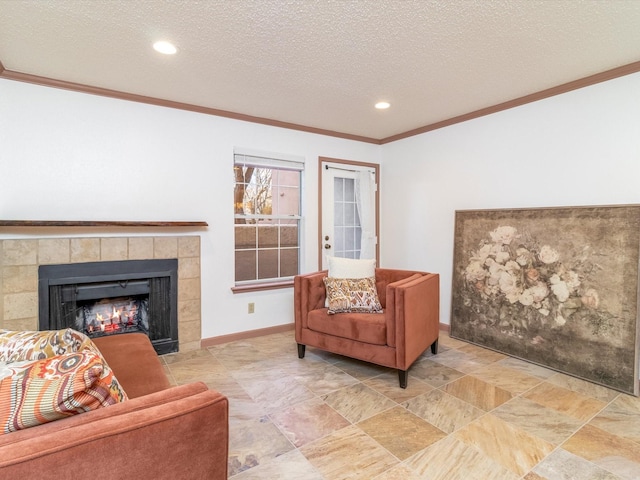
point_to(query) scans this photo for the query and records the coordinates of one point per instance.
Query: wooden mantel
(91, 223)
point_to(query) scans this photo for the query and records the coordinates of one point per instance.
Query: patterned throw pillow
(350, 268)
(55, 388)
(352, 295)
(47, 375)
(19, 346)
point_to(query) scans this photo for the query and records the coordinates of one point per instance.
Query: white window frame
(246, 157)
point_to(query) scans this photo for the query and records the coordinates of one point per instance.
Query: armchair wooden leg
(301, 350)
(434, 347)
(403, 376)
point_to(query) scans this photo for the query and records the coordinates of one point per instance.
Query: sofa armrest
(390, 308)
(182, 432)
(134, 362)
(309, 293)
(417, 317)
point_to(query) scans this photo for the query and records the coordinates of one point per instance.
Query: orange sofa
(160, 432)
(409, 324)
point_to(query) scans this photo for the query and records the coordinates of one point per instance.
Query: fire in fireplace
(108, 298)
(113, 315)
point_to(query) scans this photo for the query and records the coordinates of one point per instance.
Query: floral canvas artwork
(554, 286)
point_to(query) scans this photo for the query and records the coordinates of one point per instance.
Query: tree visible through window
(267, 219)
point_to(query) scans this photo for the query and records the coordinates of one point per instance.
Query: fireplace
(112, 298)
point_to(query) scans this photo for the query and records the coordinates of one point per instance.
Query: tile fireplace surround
(20, 259)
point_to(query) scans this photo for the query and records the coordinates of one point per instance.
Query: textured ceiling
(323, 63)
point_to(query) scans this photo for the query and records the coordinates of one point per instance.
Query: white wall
(579, 148)
(73, 156)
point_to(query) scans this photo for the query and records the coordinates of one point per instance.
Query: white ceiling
(323, 63)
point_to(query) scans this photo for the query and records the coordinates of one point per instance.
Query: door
(348, 217)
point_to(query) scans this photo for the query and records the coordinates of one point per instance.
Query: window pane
(338, 189)
(350, 238)
(289, 235)
(349, 214)
(289, 262)
(267, 264)
(267, 236)
(245, 265)
(287, 201)
(245, 236)
(349, 190)
(257, 195)
(338, 242)
(338, 213)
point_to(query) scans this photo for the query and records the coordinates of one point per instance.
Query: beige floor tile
(450, 342)
(195, 368)
(578, 385)
(513, 381)
(445, 411)
(289, 466)
(484, 355)
(565, 401)
(348, 454)
(615, 454)
(621, 417)
(562, 465)
(478, 393)
(277, 344)
(533, 418)
(308, 421)
(324, 356)
(325, 378)
(170, 358)
(236, 354)
(399, 472)
(507, 445)
(526, 367)
(387, 384)
(409, 434)
(278, 402)
(458, 360)
(359, 369)
(253, 442)
(433, 373)
(272, 389)
(428, 353)
(224, 383)
(452, 459)
(167, 371)
(357, 402)
(301, 365)
(244, 408)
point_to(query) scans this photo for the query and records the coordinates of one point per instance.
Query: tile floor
(468, 413)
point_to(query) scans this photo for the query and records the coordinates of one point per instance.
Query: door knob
(327, 246)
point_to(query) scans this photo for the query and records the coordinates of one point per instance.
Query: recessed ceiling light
(165, 47)
(382, 105)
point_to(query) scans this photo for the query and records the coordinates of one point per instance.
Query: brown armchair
(396, 338)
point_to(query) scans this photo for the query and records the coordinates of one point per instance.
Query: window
(347, 230)
(267, 219)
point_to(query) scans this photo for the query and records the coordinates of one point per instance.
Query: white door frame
(322, 163)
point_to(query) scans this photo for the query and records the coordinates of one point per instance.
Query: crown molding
(534, 97)
(105, 92)
(517, 102)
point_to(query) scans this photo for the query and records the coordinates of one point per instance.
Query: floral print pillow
(352, 295)
(56, 387)
(20, 346)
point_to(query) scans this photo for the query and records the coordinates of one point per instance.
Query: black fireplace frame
(109, 276)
